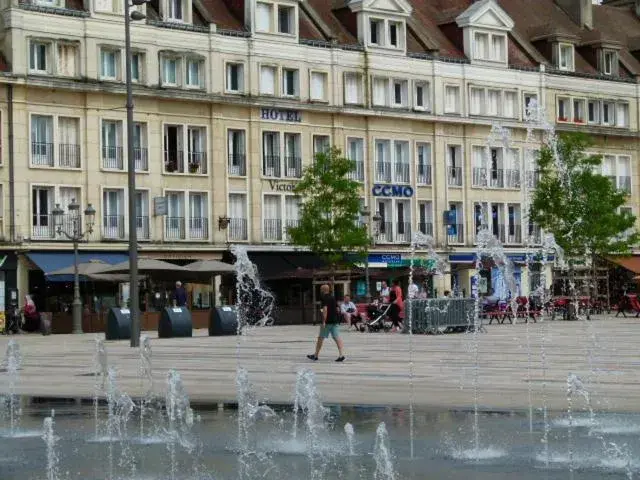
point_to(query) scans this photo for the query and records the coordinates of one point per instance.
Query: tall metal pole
(133, 234)
(77, 304)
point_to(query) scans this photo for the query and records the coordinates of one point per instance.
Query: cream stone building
(234, 97)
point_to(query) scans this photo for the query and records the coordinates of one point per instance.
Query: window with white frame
(530, 99)
(376, 31)
(137, 67)
(509, 104)
(142, 214)
(237, 153)
(380, 92)
(198, 216)
(451, 99)
(498, 48)
(272, 215)
(286, 19)
(292, 205)
(476, 101)
(490, 46)
(264, 17)
(423, 159)
(113, 213)
(238, 216)
(400, 93)
(402, 164)
(174, 221)
(140, 155)
(609, 62)
(290, 82)
(318, 86)
(39, 52)
(622, 114)
(493, 102)
(579, 107)
(353, 88)
(481, 41)
(195, 68)
(109, 63)
(104, 6)
(608, 113)
(267, 80)
(235, 77)
(41, 207)
(564, 109)
(197, 150)
(422, 96)
(112, 145)
(565, 57)
(355, 153)
(175, 10)
(593, 108)
(42, 140)
(67, 59)
(170, 70)
(396, 34)
(321, 144)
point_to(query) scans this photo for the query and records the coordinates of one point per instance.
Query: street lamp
(75, 234)
(366, 213)
(133, 232)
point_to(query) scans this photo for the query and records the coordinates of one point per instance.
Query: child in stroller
(378, 317)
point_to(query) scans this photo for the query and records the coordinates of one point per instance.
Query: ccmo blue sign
(392, 191)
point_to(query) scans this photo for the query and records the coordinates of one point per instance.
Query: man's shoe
(340, 359)
(313, 357)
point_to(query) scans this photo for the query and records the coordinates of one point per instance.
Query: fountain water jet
(382, 455)
(351, 434)
(146, 376)
(12, 363)
(50, 439)
(100, 372)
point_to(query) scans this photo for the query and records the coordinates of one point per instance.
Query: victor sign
(281, 186)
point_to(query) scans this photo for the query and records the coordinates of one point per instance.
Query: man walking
(330, 324)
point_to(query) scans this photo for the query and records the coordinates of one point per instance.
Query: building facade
(234, 97)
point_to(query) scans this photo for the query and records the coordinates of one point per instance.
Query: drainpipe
(12, 187)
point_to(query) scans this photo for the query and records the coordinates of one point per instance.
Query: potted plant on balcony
(193, 167)
(171, 166)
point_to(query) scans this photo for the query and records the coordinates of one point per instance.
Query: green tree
(330, 209)
(578, 205)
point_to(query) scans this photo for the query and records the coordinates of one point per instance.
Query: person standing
(330, 324)
(413, 290)
(180, 295)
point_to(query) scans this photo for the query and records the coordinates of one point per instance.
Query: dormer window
(565, 57)
(394, 34)
(264, 17)
(375, 29)
(490, 47)
(175, 10)
(609, 62)
(285, 19)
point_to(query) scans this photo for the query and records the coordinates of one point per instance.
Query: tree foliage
(579, 205)
(330, 209)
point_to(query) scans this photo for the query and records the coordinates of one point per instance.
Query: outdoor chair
(629, 302)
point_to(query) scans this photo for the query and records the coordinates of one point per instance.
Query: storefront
(8, 282)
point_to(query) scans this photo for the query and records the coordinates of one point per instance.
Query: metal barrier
(439, 315)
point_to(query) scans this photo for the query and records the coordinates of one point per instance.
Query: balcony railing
(293, 167)
(403, 232)
(424, 174)
(426, 228)
(512, 178)
(113, 227)
(498, 231)
(198, 228)
(383, 172)
(197, 162)
(401, 173)
(142, 228)
(174, 161)
(533, 177)
(454, 176)
(42, 154)
(238, 229)
(385, 233)
(514, 234)
(272, 230)
(535, 235)
(287, 225)
(624, 184)
(357, 174)
(237, 164)
(112, 158)
(68, 155)
(141, 159)
(174, 228)
(479, 177)
(496, 178)
(271, 165)
(43, 226)
(455, 233)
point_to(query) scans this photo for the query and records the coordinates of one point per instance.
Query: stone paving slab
(603, 352)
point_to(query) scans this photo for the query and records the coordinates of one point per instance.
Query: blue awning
(51, 261)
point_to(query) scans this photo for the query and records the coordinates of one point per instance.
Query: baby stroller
(378, 320)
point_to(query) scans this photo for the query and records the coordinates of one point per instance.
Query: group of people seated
(389, 302)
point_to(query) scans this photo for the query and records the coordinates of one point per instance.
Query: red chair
(630, 302)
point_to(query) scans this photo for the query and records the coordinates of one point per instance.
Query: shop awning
(281, 265)
(631, 263)
(51, 261)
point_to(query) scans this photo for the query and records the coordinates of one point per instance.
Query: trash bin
(175, 322)
(223, 321)
(118, 324)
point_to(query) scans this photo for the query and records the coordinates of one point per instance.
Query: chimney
(580, 11)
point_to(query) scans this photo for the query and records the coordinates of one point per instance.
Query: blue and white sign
(388, 258)
(404, 191)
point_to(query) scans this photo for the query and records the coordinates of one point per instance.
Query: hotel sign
(281, 115)
(282, 186)
(404, 191)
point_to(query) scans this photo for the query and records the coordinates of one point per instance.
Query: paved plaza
(377, 368)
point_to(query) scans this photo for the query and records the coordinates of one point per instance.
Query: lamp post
(366, 213)
(75, 234)
(133, 232)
